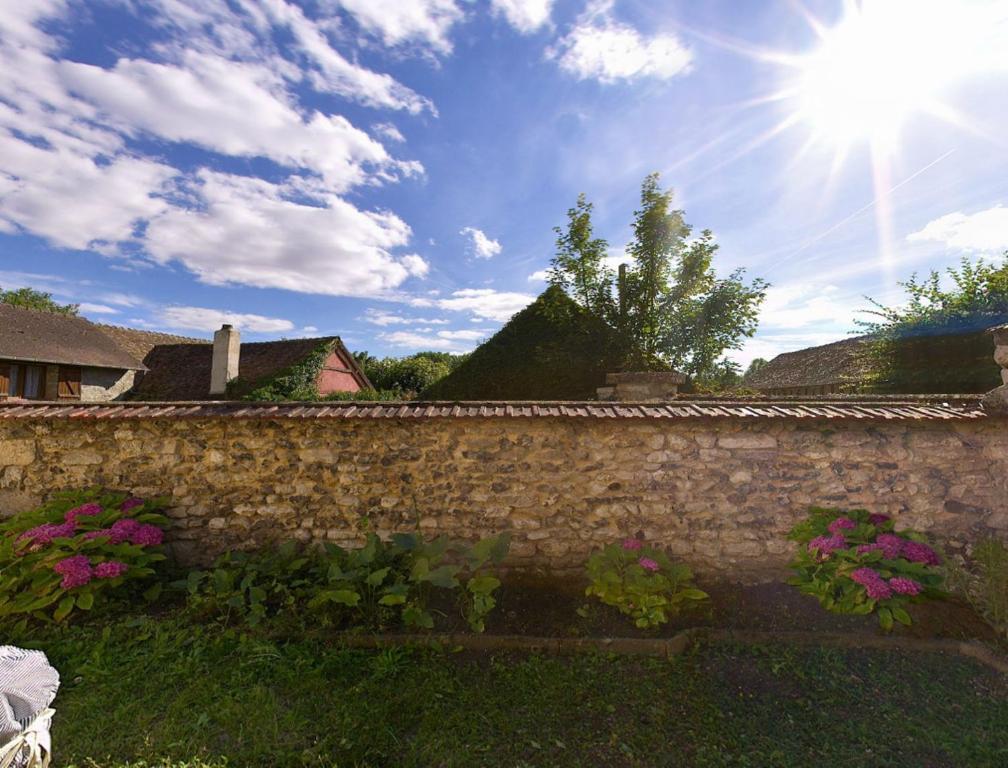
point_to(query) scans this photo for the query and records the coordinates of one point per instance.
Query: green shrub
(250, 586)
(78, 546)
(853, 562)
(984, 581)
(641, 581)
(377, 585)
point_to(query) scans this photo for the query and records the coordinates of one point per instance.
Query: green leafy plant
(61, 556)
(984, 581)
(376, 585)
(853, 562)
(641, 581)
(250, 586)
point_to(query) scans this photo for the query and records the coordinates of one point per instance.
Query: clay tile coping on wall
(878, 409)
(645, 377)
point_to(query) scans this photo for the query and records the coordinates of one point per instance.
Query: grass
(159, 692)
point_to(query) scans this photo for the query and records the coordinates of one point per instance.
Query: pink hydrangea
(916, 552)
(131, 503)
(891, 545)
(648, 564)
(827, 545)
(842, 524)
(76, 571)
(110, 569)
(123, 530)
(84, 510)
(873, 583)
(632, 544)
(901, 585)
(147, 535)
(42, 535)
(877, 519)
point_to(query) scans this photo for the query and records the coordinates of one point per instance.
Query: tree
(579, 266)
(407, 375)
(29, 298)
(669, 306)
(755, 366)
(937, 340)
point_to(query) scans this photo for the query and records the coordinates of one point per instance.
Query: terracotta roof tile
(916, 409)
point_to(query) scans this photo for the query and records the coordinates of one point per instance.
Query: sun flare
(882, 64)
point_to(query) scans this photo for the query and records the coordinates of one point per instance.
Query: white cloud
(395, 22)
(801, 305)
(463, 335)
(483, 303)
(541, 276)
(207, 100)
(982, 231)
(415, 264)
(245, 31)
(388, 131)
(379, 317)
(604, 49)
(204, 319)
(524, 15)
(482, 246)
(418, 341)
(68, 173)
(249, 231)
(97, 309)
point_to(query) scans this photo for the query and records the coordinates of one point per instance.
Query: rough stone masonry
(720, 494)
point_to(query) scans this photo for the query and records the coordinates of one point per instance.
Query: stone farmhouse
(46, 356)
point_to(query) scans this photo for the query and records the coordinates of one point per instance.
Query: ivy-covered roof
(551, 350)
(182, 371)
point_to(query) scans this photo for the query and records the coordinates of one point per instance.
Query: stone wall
(719, 493)
(100, 385)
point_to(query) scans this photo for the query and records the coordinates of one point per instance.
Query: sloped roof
(552, 349)
(46, 337)
(835, 363)
(139, 343)
(182, 371)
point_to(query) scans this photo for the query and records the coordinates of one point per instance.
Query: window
(22, 380)
(69, 382)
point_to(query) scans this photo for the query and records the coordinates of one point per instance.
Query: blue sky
(391, 170)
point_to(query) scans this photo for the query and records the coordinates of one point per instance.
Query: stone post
(996, 401)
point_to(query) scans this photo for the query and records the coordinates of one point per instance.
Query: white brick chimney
(226, 349)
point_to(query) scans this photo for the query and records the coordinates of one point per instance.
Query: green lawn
(160, 692)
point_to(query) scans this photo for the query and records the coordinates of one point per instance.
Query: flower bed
(855, 562)
(75, 548)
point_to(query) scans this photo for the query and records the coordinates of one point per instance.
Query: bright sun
(883, 63)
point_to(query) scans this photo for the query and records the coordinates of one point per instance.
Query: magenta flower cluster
(879, 589)
(128, 529)
(827, 545)
(841, 524)
(892, 546)
(84, 510)
(43, 535)
(78, 571)
(648, 564)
